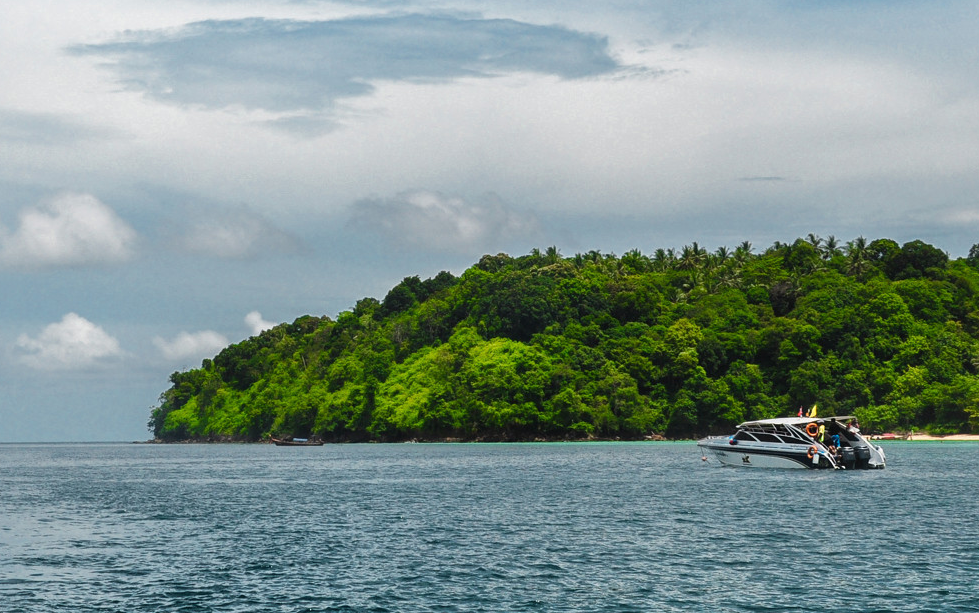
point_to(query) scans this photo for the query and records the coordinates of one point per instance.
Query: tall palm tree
(858, 257)
(689, 257)
(660, 260)
(831, 248)
(742, 253)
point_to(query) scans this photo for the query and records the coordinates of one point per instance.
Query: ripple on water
(579, 527)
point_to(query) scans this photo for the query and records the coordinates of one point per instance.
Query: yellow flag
(812, 411)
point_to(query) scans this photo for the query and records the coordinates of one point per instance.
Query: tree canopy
(544, 346)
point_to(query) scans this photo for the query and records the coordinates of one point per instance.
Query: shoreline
(915, 438)
(949, 437)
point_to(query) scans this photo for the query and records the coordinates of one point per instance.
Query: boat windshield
(776, 431)
(771, 433)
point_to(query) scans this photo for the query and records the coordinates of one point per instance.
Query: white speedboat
(795, 442)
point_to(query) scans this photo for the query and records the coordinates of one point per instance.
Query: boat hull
(757, 458)
(282, 443)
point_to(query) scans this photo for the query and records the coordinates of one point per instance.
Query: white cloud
(72, 343)
(191, 345)
(257, 324)
(236, 234)
(70, 230)
(955, 217)
(432, 221)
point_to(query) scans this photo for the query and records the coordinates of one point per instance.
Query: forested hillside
(675, 343)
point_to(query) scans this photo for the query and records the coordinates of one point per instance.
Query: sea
(617, 527)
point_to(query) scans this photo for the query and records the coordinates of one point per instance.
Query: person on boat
(837, 453)
(821, 436)
(834, 432)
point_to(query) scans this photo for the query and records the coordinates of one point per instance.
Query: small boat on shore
(795, 442)
(296, 442)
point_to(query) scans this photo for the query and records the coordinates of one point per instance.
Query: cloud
(72, 343)
(432, 221)
(45, 128)
(959, 217)
(257, 324)
(71, 230)
(236, 234)
(762, 179)
(207, 342)
(290, 66)
(188, 345)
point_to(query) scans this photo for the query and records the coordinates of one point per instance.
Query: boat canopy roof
(795, 421)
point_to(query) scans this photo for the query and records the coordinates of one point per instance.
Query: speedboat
(795, 442)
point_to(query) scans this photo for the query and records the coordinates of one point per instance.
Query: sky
(177, 176)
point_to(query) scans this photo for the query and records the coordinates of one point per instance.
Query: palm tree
(831, 248)
(730, 276)
(742, 253)
(856, 245)
(661, 261)
(689, 257)
(858, 258)
(776, 246)
(635, 260)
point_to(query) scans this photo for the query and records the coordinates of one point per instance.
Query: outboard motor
(849, 457)
(862, 455)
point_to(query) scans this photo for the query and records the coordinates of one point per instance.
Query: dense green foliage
(595, 345)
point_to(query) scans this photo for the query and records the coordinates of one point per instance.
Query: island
(674, 344)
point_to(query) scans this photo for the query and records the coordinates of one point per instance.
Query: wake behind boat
(795, 442)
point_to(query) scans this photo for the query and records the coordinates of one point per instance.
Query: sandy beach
(951, 437)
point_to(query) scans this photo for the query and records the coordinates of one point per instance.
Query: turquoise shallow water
(529, 527)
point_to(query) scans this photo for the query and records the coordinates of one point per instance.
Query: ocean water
(479, 527)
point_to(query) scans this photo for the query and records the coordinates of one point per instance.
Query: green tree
(917, 259)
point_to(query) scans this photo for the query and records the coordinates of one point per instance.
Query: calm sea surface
(496, 528)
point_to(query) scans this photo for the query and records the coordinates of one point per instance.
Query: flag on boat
(812, 411)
